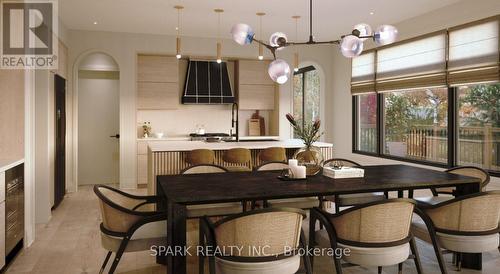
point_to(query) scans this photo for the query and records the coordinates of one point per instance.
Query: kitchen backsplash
(182, 121)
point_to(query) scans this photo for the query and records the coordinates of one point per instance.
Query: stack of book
(343, 172)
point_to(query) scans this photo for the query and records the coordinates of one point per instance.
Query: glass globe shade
(242, 34)
(364, 30)
(385, 34)
(279, 71)
(273, 40)
(219, 61)
(351, 46)
(178, 56)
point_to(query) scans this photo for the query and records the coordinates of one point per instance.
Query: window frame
(303, 72)
(452, 133)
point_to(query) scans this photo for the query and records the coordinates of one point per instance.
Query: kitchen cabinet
(256, 91)
(157, 95)
(157, 82)
(142, 162)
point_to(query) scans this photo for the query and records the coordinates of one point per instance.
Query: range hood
(207, 82)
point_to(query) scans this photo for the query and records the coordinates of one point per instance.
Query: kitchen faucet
(235, 122)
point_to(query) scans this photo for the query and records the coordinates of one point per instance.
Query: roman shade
(474, 52)
(363, 73)
(459, 55)
(415, 63)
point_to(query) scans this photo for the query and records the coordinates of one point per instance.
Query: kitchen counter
(190, 145)
(187, 138)
(6, 164)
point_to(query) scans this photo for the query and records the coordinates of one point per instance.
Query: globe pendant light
(385, 34)
(279, 71)
(219, 42)
(351, 46)
(178, 54)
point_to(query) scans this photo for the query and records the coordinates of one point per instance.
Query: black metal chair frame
(432, 229)
(207, 239)
(147, 217)
(336, 197)
(323, 217)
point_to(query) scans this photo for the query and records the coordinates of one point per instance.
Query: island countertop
(190, 145)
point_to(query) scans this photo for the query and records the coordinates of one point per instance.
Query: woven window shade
(363, 73)
(415, 63)
(474, 52)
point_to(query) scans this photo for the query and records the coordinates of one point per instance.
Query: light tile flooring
(70, 243)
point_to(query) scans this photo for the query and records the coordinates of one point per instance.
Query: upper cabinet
(256, 91)
(157, 82)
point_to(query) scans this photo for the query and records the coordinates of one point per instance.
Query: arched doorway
(98, 122)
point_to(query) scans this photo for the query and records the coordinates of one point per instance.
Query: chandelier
(351, 45)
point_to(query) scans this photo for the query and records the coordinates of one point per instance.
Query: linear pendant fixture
(178, 53)
(219, 42)
(261, 48)
(351, 45)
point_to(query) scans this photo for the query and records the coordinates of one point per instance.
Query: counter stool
(240, 159)
(200, 157)
(272, 154)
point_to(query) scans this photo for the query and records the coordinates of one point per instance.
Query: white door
(98, 123)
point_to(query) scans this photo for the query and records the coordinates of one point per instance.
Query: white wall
(124, 48)
(462, 12)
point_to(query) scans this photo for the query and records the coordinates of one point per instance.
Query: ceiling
(332, 18)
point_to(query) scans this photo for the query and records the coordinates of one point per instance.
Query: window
(478, 121)
(306, 94)
(437, 98)
(366, 107)
(416, 124)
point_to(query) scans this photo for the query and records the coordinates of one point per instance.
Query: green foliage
(483, 102)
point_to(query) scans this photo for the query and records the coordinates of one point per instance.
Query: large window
(416, 124)
(435, 99)
(367, 123)
(479, 126)
(306, 94)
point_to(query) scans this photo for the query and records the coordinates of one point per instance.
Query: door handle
(117, 136)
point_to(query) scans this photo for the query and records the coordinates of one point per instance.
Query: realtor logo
(29, 29)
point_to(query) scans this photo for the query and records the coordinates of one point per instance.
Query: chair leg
(438, 253)
(414, 251)
(379, 270)
(459, 261)
(119, 254)
(307, 259)
(410, 193)
(201, 257)
(105, 262)
(400, 268)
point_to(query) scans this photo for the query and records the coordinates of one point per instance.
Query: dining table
(179, 191)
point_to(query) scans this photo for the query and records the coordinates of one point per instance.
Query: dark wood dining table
(178, 191)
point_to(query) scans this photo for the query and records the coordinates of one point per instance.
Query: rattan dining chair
(272, 154)
(128, 223)
(449, 192)
(303, 203)
(351, 199)
(376, 234)
(466, 224)
(200, 157)
(213, 210)
(267, 242)
(239, 159)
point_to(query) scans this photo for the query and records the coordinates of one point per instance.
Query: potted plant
(308, 156)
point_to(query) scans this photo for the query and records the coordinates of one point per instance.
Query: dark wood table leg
(176, 238)
(470, 260)
(161, 205)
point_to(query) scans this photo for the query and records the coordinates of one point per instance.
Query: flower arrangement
(309, 133)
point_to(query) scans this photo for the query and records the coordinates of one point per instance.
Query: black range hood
(207, 82)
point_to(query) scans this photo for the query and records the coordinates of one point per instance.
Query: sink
(252, 140)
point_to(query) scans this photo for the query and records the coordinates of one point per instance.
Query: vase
(310, 157)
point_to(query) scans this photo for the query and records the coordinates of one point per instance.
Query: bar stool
(200, 157)
(239, 158)
(272, 154)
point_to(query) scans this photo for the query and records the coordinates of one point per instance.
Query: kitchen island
(168, 158)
